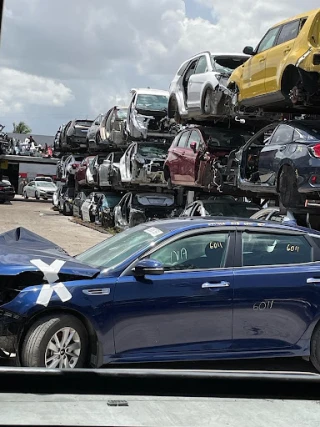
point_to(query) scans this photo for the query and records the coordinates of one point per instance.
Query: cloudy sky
(64, 59)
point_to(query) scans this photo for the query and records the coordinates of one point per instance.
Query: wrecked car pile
(217, 131)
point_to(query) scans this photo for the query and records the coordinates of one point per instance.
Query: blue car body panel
(268, 311)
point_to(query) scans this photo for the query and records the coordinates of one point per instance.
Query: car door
(254, 70)
(195, 84)
(278, 55)
(274, 299)
(178, 169)
(191, 157)
(104, 171)
(274, 152)
(31, 189)
(129, 124)
(119, 211)
(188, 309)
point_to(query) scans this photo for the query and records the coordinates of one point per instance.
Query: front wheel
(25, 196)
(208, 100)
(59, 341)
(315, 348)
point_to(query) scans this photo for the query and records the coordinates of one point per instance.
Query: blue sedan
(171, 290)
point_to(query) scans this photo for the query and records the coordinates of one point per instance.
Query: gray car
(39, 189)
(198, 90)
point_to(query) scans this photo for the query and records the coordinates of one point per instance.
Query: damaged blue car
(185, 289)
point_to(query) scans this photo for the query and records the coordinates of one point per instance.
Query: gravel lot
(39, 217)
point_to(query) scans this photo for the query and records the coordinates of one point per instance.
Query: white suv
(198, 90)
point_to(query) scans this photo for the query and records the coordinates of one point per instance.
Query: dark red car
(81, 173)
(198, 155)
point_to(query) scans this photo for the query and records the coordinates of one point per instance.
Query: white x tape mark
(50, 273)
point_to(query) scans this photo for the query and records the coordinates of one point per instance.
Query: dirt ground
(38, 216)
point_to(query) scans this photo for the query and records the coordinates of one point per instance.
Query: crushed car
(74, 135)
(81, 171)
(105, 204)
(147, 115)
(78, 201)
(136, 208)
(7, 191)
(283, 71)
(226, 206)
(282, 161)
(199, 89)
(108, 130)
(109, 171)
(92, 173)
(143, 162)
(199, 155)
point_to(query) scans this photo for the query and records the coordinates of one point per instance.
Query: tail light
(316, 150)
(1, 188)
(75, 165)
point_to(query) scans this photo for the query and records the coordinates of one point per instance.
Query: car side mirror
(248, 50)
(148, 267)
(193, 146)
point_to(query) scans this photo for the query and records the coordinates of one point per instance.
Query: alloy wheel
(63, 349)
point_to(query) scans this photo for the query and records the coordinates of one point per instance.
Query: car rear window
(154, 200)
(226, 64)
(274, 249)
(86, 123)
(218, 137)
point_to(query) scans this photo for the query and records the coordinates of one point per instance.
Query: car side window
(283, 135)
(289, 32)
(183, 140)
(187, 211)
(268, 40)
(197, 211)
(202, 65)
(274, 249)
(203, 251)
(182, 69)
(195, 137)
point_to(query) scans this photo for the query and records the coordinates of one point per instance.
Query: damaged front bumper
(11, 325)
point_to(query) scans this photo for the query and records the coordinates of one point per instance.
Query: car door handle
(208, 285)
(102, 291)
(287, 50)
(313, 280)
(262, 59)
(282, 148)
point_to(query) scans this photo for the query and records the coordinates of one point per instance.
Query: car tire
(35, 352)
(2, 202)
(25, 196)
(36, 195)
(289, 196)
(64, 210)
(207, 103)
(315, 348)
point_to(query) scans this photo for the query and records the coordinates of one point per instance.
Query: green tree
(21, 127)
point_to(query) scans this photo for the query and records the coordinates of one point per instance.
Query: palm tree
(21, 127)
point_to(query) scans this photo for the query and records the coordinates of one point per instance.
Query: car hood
(20, 246)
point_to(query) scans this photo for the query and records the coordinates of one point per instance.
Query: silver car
(198, 90)
(146, 117)
(38, 189)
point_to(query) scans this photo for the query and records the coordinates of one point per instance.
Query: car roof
(301, 15)
(215, 54)
(146, 91)
(185, 223)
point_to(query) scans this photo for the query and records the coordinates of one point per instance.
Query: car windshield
(121, 113)
(218, 137)
(229, 209)
(111, 201)
(45, 184)
(226, 64)
(120, 247)
(152, 102)
(153, 151)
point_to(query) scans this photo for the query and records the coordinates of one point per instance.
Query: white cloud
(18, 89)
(100, 52)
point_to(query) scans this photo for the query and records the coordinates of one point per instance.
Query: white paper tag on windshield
(153, 231)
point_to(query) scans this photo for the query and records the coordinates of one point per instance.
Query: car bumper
(7, 197)
(11, 325)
